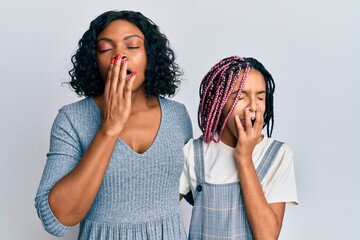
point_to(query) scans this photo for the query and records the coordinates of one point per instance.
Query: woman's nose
(122, 51)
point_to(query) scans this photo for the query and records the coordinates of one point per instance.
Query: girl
(114, 164)
(239, 178)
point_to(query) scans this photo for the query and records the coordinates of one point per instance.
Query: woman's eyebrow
(104, 39)
(131, 36)
(125, 38)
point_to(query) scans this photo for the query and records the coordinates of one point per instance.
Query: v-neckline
(154, 142)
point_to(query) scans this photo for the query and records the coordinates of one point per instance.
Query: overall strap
(199, 164)
(268, 159)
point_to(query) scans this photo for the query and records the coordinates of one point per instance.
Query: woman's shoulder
(171, 104)
(80, 107)
(79, 112)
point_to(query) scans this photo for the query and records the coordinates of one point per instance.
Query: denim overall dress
(219, 211)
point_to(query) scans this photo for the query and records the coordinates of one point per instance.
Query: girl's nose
(252, 105)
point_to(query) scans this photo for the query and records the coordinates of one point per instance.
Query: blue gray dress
(138, 198)
(219, 210)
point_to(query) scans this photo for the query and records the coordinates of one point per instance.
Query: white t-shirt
(278, 184)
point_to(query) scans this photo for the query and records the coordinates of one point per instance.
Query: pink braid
(215, 90)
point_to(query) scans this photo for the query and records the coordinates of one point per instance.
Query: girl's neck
(228, 138)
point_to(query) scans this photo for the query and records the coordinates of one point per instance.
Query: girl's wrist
(243, 158)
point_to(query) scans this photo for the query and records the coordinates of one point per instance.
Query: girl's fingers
(239, 126)
(259, 120)
(248, 123)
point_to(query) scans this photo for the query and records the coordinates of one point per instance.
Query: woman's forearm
(71, 197)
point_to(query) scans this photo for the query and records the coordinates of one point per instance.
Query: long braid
(216, 88)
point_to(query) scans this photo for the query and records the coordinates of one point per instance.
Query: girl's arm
(265, 219)
(71, 197)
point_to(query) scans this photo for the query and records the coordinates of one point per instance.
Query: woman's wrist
(109, 131)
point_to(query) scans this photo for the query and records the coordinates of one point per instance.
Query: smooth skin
(265, 219)
(125, 112)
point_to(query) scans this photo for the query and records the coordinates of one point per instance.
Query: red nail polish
(118, 56)
(132, 74)
(112, 61)
(123, 61)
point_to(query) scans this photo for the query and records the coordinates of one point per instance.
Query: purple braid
(215, 90)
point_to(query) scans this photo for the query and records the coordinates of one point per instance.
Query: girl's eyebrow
(258, 92)
(246, 92)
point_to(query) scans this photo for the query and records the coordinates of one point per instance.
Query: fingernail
(132, 74)
(112, 61)
(123, 61)
(118, 56)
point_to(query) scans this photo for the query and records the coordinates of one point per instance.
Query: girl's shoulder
(268, 142)
(283, 156)
(207, 148)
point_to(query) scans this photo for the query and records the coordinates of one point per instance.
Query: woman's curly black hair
(162, 73)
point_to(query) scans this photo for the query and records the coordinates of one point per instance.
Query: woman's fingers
(115, 73)
(128, 88)
(108, 78)
(122, 77)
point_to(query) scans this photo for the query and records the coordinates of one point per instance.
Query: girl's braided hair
(216, 88)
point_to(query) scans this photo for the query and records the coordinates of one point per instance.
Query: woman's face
(124, 38)
(253, 97)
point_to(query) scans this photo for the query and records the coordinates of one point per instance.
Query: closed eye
(104, 50)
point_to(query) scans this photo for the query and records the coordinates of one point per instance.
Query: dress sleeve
(187, 126)
(64, 154)
(184, 186)
(279, 184)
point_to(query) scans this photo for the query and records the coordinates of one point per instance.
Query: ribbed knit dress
(139, 195)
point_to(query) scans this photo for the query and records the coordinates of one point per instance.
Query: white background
(310, 47)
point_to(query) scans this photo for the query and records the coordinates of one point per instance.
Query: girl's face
(126, 39)
(252, 97)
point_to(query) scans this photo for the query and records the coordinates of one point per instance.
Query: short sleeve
(64, 154)
(187, 126)
(185, 184)
(279, 184)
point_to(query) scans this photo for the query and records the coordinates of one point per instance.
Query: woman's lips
(128, 74)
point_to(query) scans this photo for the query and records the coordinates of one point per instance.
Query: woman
(114, 161)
